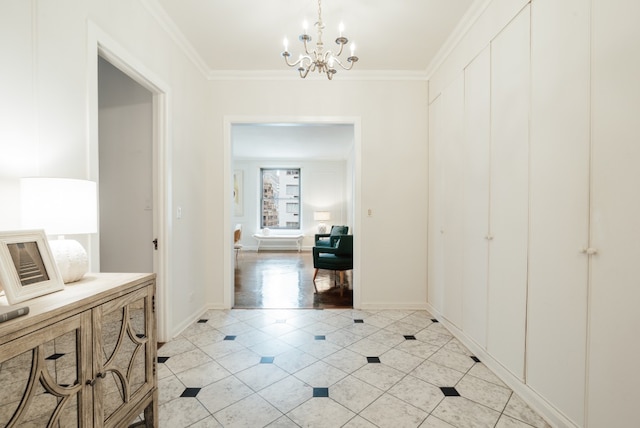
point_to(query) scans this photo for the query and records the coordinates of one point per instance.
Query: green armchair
(338, 258)
(328, 240)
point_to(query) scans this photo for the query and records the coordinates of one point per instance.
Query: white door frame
(228, 258)
(101, 44)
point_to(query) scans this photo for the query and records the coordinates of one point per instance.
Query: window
(280, 198)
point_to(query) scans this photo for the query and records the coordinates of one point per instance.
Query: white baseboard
(538, 403)
(400, 306)
(185, 324)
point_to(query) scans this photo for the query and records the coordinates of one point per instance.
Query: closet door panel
(435, 272)
(452, 120)
(558, 270)
(475, 215)
(613, 373)
(509, 203)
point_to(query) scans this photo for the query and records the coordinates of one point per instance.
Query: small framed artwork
(27, 267)
(238, 206)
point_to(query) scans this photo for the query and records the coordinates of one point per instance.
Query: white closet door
(435, 271)
(452, 121)
(475, 215)
(509, 193)
(558, 281)
(613, 370)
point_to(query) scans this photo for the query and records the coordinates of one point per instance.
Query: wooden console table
(297, 238)
(84, 356)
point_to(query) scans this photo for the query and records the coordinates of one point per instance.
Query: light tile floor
(329, 368)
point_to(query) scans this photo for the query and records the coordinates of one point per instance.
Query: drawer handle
(92, 382)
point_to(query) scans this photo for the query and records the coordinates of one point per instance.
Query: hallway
(329, 368)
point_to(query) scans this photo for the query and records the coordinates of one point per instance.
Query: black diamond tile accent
(434, 320)
(230, 338)
(162, 359)
(449, 391)
(373, 359)
(320, 392)
(54, 356)
(202, 321)
(190, 392)
(409, 337)
(476, 359)
(358, 321)
(140, 336)
(320, 337)
(266, 360)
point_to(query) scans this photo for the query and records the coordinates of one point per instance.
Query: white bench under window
(279, 238)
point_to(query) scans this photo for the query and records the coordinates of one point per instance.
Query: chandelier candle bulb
(353, 48)
(286, 44)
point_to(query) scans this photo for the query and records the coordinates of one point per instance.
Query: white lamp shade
(60, 206)
(322, 216)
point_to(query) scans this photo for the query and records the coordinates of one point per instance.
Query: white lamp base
(322, 228)
(71, 259)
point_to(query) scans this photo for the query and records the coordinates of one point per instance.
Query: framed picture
(238, 208)
(27, 267)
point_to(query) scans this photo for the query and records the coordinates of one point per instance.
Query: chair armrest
(324, 250)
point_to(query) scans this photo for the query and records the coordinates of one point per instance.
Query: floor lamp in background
(61, 206)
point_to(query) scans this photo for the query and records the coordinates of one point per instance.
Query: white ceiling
(247, 35)
(227, 37)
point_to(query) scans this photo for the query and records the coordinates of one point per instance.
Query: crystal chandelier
(318, 59)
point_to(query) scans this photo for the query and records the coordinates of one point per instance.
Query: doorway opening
(279, 273)
(125, 110)
(104, 49)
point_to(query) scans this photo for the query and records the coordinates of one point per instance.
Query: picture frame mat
(18, 288)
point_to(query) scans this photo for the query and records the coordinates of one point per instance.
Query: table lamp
(322, 216)
(61, 206)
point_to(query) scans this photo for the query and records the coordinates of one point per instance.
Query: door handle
(589, 251)
(155, 244)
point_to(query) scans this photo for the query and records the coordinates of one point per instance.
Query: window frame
(282, 202)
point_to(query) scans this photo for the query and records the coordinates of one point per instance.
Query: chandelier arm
(306, 48)
(303, 71)
(344, 67)
(299, 61)
(341, 46)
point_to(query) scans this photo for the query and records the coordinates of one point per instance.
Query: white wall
(323, 188)
(393, 159)
(550, 103)
(46, 124)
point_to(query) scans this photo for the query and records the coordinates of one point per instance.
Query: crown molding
(176, 35)
(380, 75)
(159, 14)
(470, 17)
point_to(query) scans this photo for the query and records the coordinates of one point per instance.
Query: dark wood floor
(284, 279)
